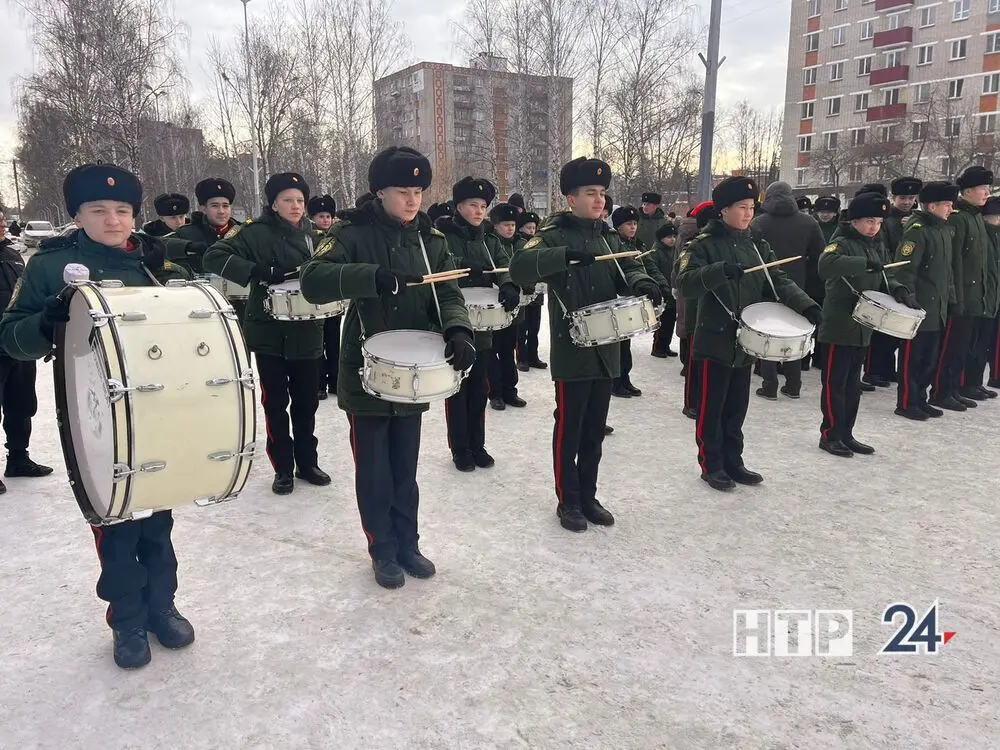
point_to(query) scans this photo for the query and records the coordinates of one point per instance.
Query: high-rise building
(483, 120)
(882, 88)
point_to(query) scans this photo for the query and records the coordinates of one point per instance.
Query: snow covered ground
(531, 636)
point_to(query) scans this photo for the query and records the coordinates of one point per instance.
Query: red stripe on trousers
(690, 373)
(906, 374)
(560, 432)
(354, 454)
(944, 351)
(700, 429)
(447, 423)
(827, 373)
(267, 424)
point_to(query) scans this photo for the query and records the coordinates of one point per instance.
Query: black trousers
(501, 369)
(284, 381)
(18, 401)
(385, 480)
(626, 362)
(995, 352)
(917, 361)
(692, 381)
(791, 370)
(138, 569)
(725, 396)
(840, 395)
(580, 415)
(330, 363)
(951, 360)
(665, 333)
(980, 344)
(465, 412)
(880, 361)
(527, 339)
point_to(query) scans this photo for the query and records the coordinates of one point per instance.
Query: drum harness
(769, 281)
(620, 270)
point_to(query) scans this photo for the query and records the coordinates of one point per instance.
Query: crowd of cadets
(693, 270)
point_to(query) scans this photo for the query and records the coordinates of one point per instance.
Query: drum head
(291, 286)
(885, 300)
(86, 423)
(486, 296)
(775, 319)
(408, 348)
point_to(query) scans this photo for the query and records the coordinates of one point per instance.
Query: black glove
(153, 255)
(268, 274)
(55, 310)
(814, 315)
(194, 249)
(904, 296)
(733, 271)
(393, 282)
(582, 257)
(475, 271)
(650, 288)
(459, 348)
(509, 296)
(874, 267)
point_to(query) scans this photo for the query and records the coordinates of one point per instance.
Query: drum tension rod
(247, 452)
(246, 378)
(100, 318)
(203, 313)
(124, 470)
(117, 389)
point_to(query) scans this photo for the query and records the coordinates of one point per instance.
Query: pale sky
(754, 39)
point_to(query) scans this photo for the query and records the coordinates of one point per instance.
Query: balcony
(902, 35)
(886, 112)
(889, 75)
(892, 4)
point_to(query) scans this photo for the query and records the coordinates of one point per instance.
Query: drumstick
(439, 277)
(897, 263)
(643, 255)
(497, 270)
(612, 256)
(772, 264)
(449, 272)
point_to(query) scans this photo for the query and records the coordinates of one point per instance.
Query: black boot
(283, 484)
(742, 475)
(571, 518)
(619, 390)
(314, 475)
(608, 429)
(463, 461)
(967, 402)
(497, 404)
(718, 480)
(972, 393)
(171, 629)
(949, 403)
(523, 366)
(787, 390)
(482, 459)
(917, 414)
(987, 393)
(19, 465)
(632, 390)
(416, 564)
(929, 410)
(538, 364)
(659, 354)
(515, 401)
(690, 412)
(835, 448)
(867, 387)
(322, 394)
(597, 514)
(858, 447)
(3, 488)
(768, 391)
(131, 648)
(388, 574)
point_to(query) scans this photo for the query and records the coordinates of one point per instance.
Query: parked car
(36, 231)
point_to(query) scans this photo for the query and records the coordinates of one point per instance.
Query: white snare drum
(408, 367)
(229, 289)
(485, 311)
(528, 297)
(154, 398)
(611, 321)
(879, 311)
(284, 301)
(774, 332)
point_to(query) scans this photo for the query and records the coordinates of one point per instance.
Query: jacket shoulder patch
(325, 246)
(831, 248)
(683, 261)
(532, 243)
(233, 232)
(17, 291)
(435, 232)
(906, 249)
(547, 227)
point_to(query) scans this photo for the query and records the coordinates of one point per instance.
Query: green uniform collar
(963, 205)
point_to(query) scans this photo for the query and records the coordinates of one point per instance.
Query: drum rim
(613, 304)
(366, 355)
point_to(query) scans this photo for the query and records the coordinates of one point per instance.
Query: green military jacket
(262, 243)
(970, 255)
(991, 300)
(344, 268)
(197, 230)
(475, 245)
(687, 315)
(843, 264)
(927, 244)
(702, 276)
(506, 252)
(21, 332)
(649, 266)
(663, 259)
(543, 258)
(648, 226)
(828, 228)
(892, 230)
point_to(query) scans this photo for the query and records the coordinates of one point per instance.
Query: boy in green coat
(501, 369)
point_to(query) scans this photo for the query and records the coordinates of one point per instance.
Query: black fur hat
(583, 171)
(804, 203)
(667, 229)
(652, 198)
(528, 217)
(399, 166)
(623, 214)
(936, 192)
(906, 186)
(974, 176)
(873, 187)
(827, 203)
(868, 205)
(516, 199)
(171, 204)
(101, 182)
(214, 187)
(322, 204)
(470, 187)
(437, 210)
(504, 212)
(733, 190)
(285, 181)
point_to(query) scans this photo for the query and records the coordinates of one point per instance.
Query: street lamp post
(253, 126)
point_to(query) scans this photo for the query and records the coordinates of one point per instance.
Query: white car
(36, 231)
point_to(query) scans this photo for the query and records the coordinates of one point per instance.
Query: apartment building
(880, 88)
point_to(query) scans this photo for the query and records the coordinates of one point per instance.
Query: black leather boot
(131, 648)
(19, 465)
(742, 475)
(768, 391)
(718, 480)
(571, 518)
(314, 475)
(416, 564)
(835, 448)
(597, 514)
(283, 484)
(388, 574)
(171, 629)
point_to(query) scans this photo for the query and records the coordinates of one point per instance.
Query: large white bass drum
(154, 398)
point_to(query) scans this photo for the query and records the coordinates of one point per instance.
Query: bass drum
(154, 398)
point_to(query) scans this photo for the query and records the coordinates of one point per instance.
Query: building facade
(512, 128)
(882, 88)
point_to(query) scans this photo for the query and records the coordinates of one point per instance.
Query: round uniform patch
(111, 181)
(907, 249)
(533, 242)
(831, 248)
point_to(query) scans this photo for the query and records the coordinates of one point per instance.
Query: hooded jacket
(789, 232)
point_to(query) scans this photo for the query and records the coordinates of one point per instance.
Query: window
(858, 138)
(827, 176)
(867, 30)
(837, 71)
(842, 4)
(991, 83)
(953, 127)
(856, 173)
(987, 123)
(955, 88)
(813, 8)
(809, 77)
(860, 102)
(839, 36)
(805, 144)
(812, 42)
(958, 49)
(920, 130)
(993, 42)
(994, 6)
(963, 9)
(887, 133)
(894, 59)
(800, 177)
(928, 16)
(864, 65)
(925, 54)
(897, 21)
(830, 141)
(946, 165)
(890, 96)
(807, 110)
(923, 93)
(833, 106)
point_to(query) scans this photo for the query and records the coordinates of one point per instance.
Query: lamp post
(253, 125)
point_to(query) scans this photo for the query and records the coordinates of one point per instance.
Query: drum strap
(766, 272)
(427, 263)
(488, 255)
(619, 265)
(150, 275)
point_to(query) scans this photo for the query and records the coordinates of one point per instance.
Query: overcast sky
(754, 39)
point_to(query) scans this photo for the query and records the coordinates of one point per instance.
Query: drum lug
(247, 379)
(201, 502)
(123, 470)
(202, 313)
(247, 452)
(111, 284)
(181, 282)
(132, 317)
(219, 381)
(149, 388)
(117, 389)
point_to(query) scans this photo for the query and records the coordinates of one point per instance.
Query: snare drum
(154, 399)
(408, 367)
(774, 332)
(612, 321)
(540, 289)
(879, 311)
(485, 311)
(229, 289)
(284, 301)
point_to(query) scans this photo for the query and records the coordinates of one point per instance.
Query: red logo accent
(111, 181)
(948, 635)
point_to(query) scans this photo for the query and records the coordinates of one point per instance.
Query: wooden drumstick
(497, 270)
(643, 255)
(772, 264)
(896, 264)
(613, 256)
(445, 274)
(435, 278)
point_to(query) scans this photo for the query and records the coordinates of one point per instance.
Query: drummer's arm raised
(22, 333)
(536, 261)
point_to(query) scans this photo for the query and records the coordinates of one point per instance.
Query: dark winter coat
(344, 268)
(260, 244)
(789, 232)
(648, 226)
(843, 265)
(648, 264)
(991, 299)
(543, 258)
(506, 252)
(702, 277)
(927, 244)
(892, 230)
(198, 230)
(11, 269)
(970, 255)
(156, 228)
